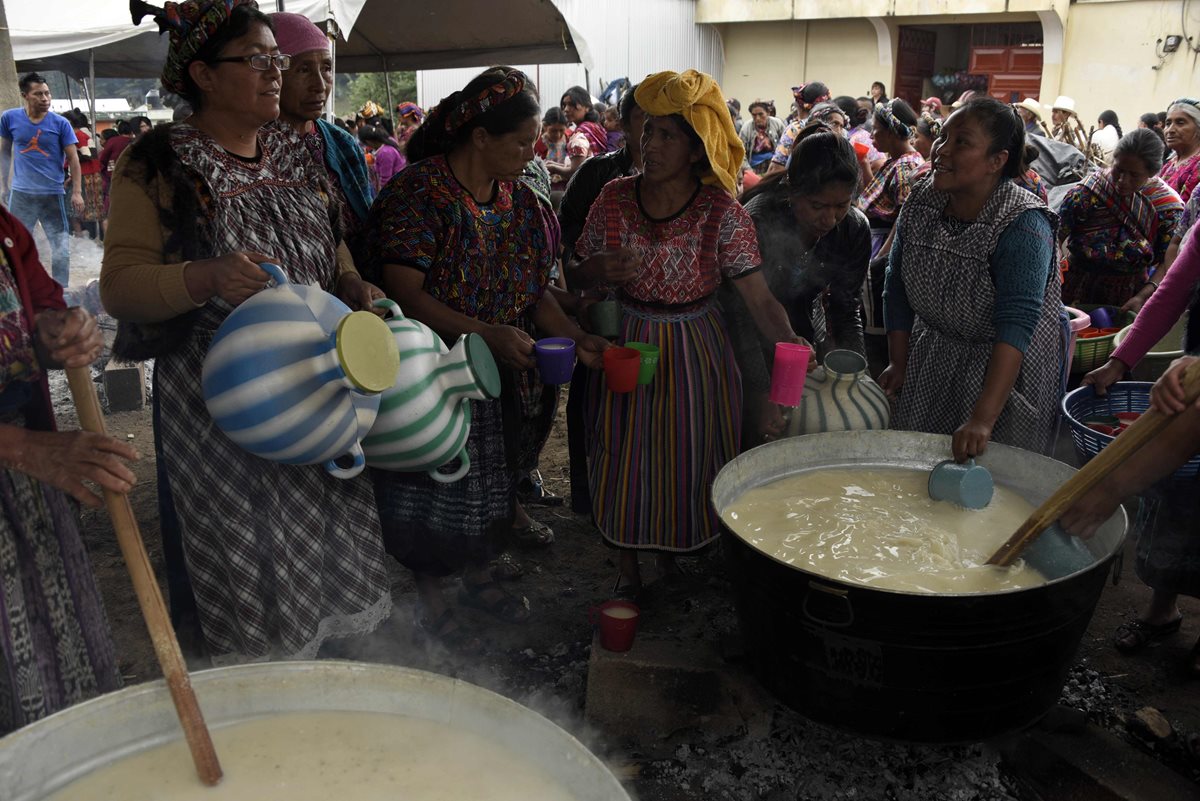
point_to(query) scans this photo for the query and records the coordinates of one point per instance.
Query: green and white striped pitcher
(424, 419)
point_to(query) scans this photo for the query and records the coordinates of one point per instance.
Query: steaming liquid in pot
(880, 527)
(318, 756)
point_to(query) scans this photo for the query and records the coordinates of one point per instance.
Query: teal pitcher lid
(483, 365)
(367, 351)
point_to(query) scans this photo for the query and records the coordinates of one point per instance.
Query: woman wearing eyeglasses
(280, 557)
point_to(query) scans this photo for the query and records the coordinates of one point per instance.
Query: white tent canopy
(375, 34)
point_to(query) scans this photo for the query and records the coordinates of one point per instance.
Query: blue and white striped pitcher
(425, 418)
(294, 376)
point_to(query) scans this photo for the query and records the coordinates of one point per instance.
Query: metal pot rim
(1010, 466)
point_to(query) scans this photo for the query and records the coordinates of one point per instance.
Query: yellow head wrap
(698, 99)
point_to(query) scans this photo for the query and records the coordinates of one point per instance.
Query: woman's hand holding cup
(510, 345)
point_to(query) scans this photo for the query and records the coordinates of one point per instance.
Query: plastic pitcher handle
(450, 478)
(276, 273)
(360, 461)
(392, 307)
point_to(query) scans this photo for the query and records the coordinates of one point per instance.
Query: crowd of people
(852, 219)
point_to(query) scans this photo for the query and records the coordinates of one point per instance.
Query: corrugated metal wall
(626, 39)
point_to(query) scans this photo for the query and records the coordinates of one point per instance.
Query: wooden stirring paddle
(154, 611)
(1131, 440)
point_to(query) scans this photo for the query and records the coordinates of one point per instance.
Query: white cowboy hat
(1032, 106)
(1064, 103)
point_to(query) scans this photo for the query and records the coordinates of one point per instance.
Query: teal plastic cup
(968, 485)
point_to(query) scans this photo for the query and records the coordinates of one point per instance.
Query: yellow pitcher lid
(367, 351)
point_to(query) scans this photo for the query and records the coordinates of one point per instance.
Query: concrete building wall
(766, 59)
(1102, 54)
(1109, 58)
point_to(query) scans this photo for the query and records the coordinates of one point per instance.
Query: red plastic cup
(788, 373)
(621, 367)
(862, 148)
(618, 621)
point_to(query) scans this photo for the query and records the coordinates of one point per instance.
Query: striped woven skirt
(653, 453)
(55, 647)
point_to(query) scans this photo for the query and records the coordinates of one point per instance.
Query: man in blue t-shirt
(34, 144)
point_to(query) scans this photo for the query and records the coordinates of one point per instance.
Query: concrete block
(665, 687)
(124, 386)
(1091, 765)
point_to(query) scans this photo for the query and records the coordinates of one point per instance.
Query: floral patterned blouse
(883, 197)
(490, 261)
(1182, 176)
(1123, 234)
(684, 257)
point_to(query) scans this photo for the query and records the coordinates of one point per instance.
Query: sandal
(535, 535)
(1129, 638)
(504, 605)
(505, 568)
(446, 630)
(531, 490)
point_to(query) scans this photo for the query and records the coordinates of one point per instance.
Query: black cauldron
(946, 668)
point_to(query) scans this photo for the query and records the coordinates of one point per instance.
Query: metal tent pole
(387, 82)
(92, 94)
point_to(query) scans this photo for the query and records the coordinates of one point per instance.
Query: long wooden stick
(1145, 428)
(154, 611)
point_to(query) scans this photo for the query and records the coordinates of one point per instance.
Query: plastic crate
(1124, 396)
(1093, 352)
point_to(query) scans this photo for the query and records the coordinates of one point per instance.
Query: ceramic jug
(840, 396)
(425, 418)
(294, 376)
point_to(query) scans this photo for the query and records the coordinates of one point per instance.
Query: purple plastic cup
(555, 359)
(788, 373)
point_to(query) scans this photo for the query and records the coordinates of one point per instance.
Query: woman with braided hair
(1117, 226)
(465, 246)
(1182, 135)
(972, 300)
(886, 192)
(929, 128)
(895, 124)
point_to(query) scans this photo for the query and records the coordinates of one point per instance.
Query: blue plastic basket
(1124, 396)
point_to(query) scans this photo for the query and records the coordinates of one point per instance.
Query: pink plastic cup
(787, 376)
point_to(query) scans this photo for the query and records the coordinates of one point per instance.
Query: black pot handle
(828, 606)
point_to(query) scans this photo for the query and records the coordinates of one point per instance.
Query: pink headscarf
(296, 34)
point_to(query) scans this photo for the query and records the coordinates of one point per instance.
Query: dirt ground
(544, 663)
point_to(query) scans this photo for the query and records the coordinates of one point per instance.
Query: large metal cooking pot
(900, 665)
(44, 757)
